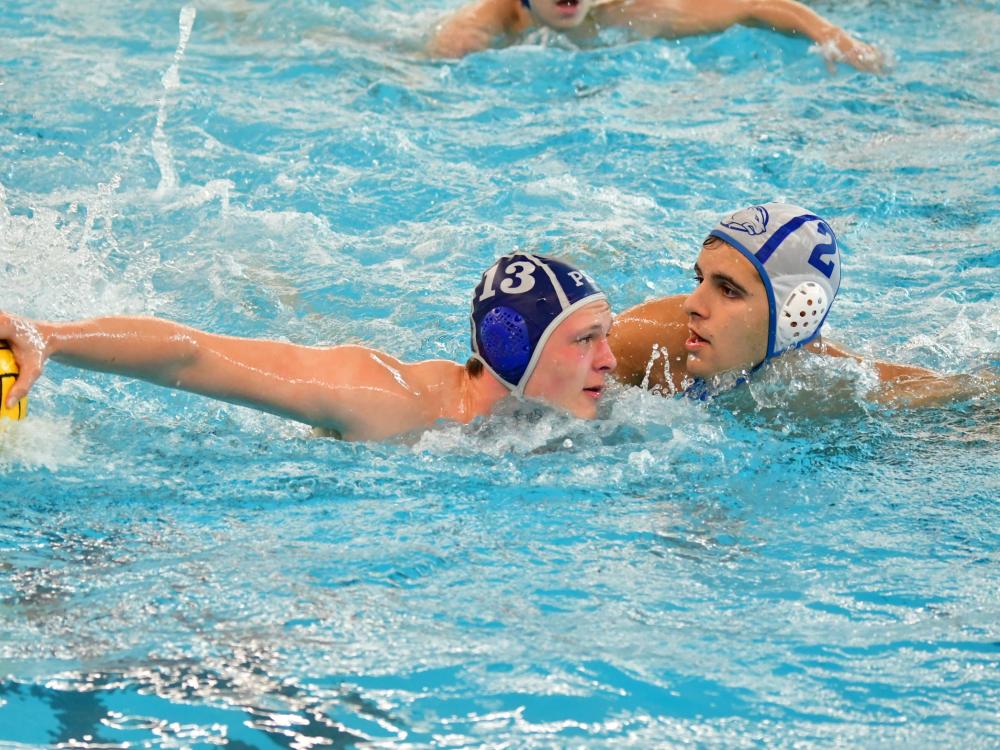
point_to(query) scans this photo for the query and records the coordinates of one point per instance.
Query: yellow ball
(8, 373)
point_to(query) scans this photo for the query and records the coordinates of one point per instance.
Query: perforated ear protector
(801, 315)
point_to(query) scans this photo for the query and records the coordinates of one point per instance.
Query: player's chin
(699, 368)
(565, 24)
(564, 21)
(585, 408)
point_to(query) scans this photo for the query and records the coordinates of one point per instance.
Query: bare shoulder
(660, 309)
(474, 26)
(650, 331)
(650, 319)
(434, 375)
(362, 365)
(373, 395)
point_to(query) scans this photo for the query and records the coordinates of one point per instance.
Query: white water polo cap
(519, 302)
(796, 254)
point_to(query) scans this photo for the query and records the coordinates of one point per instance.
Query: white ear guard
(801, 315)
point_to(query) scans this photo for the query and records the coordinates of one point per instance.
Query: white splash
(101, 209)
(170, 81)
(39, 443)
(58, 260)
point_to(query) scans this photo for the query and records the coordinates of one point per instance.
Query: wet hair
(710, 240)
(474, 367)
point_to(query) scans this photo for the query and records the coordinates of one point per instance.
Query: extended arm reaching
(910, 386)
(673, 18)
(354, 391)
(790, 17)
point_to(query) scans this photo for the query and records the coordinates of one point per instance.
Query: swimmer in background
(539, 331)
(766, 278)
(478, 25)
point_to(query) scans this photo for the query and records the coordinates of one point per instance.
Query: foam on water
(64, 259)
(39, 443)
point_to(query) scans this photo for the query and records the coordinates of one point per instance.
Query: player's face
(561, 14)
(572, 370)
(727, 312)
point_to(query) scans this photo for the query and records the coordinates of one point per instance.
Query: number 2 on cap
(825, 267)
(521, 270)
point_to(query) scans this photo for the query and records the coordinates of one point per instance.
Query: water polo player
(766, 276)
(539, 331)
(479, 24)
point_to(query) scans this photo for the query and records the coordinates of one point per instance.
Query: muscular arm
(907, 385)
(354, 391)
(648, 342)
(687, 17)
(474, 27)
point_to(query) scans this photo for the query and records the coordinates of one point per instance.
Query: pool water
(788, 565)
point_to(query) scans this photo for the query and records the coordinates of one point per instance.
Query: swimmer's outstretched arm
(648, 342)
(355, 392)
(474, 27)
(911, 386)
(687, 17)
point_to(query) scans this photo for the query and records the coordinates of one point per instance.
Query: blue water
(788, 566)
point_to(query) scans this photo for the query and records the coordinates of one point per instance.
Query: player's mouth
(567, 7)
(594, 391)
(695, 341)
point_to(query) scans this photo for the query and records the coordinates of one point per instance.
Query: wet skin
(727, 314)
(354, 392)
(572, 370)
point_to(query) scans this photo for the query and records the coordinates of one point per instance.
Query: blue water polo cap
(798, 259)
(518, 303)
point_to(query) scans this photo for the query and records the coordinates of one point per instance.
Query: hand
(842, 47)
(28, 345)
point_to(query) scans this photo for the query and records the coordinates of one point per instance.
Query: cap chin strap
(505, 383)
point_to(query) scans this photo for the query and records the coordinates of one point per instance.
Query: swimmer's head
(797, 257)
(559, 14)
(794, 256)
(517, 306)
